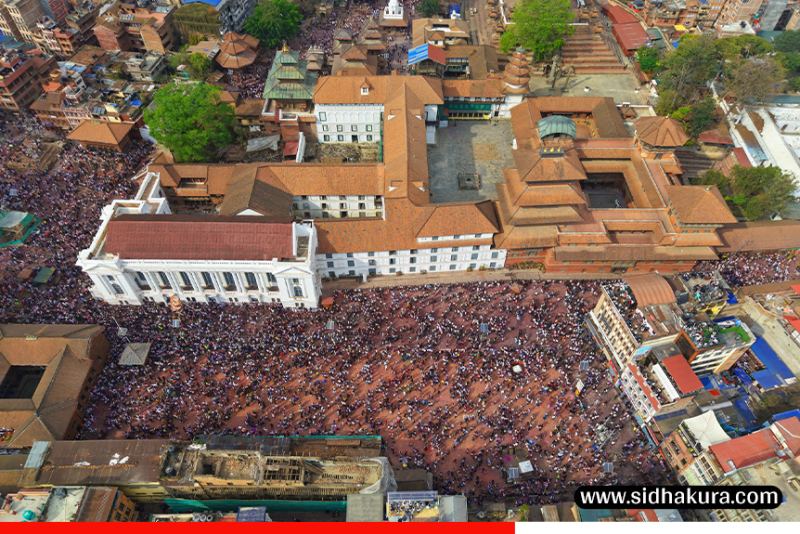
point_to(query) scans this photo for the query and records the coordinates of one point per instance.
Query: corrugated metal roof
(682, 373)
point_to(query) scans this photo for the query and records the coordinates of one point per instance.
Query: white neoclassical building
(143, 252)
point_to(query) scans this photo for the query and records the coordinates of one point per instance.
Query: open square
(469, 147)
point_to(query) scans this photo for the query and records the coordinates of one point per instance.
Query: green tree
(790, 61)
(788, 42)
(539, 25)
(201, 64)
(701, 116)
(650, 59)
(742, 46)
(754, 78)
(757, 191)
(794, 84)
(189, 121)
(273, 22)
(688, 68)
(429, 8)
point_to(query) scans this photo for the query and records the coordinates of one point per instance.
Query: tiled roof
(466, 218)
(236, 61)
(682, 373)
(790, 430)
(634, 253)
(472, 88)
(106, 133)
(265, 195)
(760, 235)
(347, 89)
(699, 204)
(64, 351)
(533, 167)
(187, 237)
(663, 132)
(746, 450)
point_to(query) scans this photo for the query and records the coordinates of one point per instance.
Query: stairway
(694, 163)
(590, 55)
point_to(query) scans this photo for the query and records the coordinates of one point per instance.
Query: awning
(466, 106)
(43, 276)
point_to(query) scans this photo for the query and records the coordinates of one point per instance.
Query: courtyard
(469, 147)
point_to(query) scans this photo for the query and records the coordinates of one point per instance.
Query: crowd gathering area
(450, 376)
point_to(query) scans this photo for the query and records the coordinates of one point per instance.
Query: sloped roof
(682, 373)
(760, 235)
(189, 237)
(258, 190)
(664, 132)
(472, 88)
(534, 167)
(746, 450)
(134, 354)
(347, 89)
(650, 289)
(441, 219)
(106, 133)
(699, 204)
(706, 429)
(555, 125)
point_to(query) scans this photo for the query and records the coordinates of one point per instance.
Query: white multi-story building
(336, 206)
(142, 252)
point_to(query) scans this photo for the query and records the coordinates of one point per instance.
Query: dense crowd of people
(457, 379)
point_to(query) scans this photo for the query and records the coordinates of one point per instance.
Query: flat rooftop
(469, 147)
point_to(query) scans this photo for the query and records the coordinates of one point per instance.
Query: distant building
(73, 504)
(127, 27)
(394, 15)
(213, 18)
(100, 135)
(48, 371)
(440, 32)
(22, 78)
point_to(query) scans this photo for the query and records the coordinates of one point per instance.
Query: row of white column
(217, 279)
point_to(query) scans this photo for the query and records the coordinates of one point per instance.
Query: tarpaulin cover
(771, 361)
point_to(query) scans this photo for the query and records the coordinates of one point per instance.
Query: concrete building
(22, 78)
(73, 504)
(229, 14)
(24, 15)
(686, 449)
(48, 371)
(130, 28)
(266, 259)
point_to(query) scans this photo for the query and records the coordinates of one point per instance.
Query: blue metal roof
(786, 415)
(767, 380)
(771, 360)
(415, 55)
(214, 3)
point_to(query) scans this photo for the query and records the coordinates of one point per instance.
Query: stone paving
(469, 146)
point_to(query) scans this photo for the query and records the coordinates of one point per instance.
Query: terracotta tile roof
(97, 505)
(746, 450)
(682, 373)
(64, 352)
(482, 59)
(467, 218)
(258, 190)
(663, 132)
(710, 239)
(347, 89)
(375, 235)
(699, 204)
(236, 61)
(356, 52)
(188, 237)
(716, 137)
(521, 237)
(106, 133)
(472, 88)
(790, 430)
(405, 152)
(534, 167)
(634, 253)
(760, 235)
(650, 289)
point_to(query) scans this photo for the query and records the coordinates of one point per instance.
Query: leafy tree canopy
(742, 46)
(429, 8)
(188, 120)
(757, 191)
(201, 63)
(650, 59)
(754, 78)
(788, 42)
(689, 67)
(701, 116)
(273, 22)
(539, 25)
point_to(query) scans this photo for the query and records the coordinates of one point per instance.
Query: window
(476, 247)
(109, 278)
(369, 128)
(454, 249)
(295, 206)
(392, 270)
(452, 267)
(251, 280)
(351, 263)
(362, 197)
(207, 281)
(296, 281)
(435, 238)
(351, 273)
(392, 261)
(187, 282)
(365, 90)
(324, 127)
(330, 265)
(372, 262)
(434, 250)
(342, 197)
(324, 206)
(414, 251)
(325, 215)
(432, 268)
(339, 128)
(118, 290)
(298, 291)
(413, 260)
(392, 253)
(454, 257)
(327, 138)
(331, 274)
(474, 257)
(353, 127)
(340, 138)
(493, 265)
(371, 254)
(472, 265)
(494, 255)
(229, 281)
(323, 116)
(434, 259)
(412, 270)
(307, 214)
(456, 237)
(349, 254)
(162, 276)
(328, 256)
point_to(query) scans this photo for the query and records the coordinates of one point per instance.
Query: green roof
(289, 78)
(556, 124)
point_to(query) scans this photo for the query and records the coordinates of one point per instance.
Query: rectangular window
(474, 257)
(372, 262)
(392, 270)
(454, 257)
(452, 267)
(340, 138)
(371, 254)
(339, 128)
(207, 281)
(353, 127)
(369, 138)
(413, 260)
(493, 265)
(454, 249)
(369, 127)
(323, 116)
(185, 279)
(432, 268)
(434, 250)
(328, 256)
(351, 263)
(298, 291)
(349, 254)
(435, 238)
(251, 280)
(412, 270)
(472, 266)
(330, 265)
(494, 255)
(163, 278)
(392, 261)
(229, 281)
(324, 127)
(476, 247)
(434, 259)
(327, 138)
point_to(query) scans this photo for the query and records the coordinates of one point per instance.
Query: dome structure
(556, 125)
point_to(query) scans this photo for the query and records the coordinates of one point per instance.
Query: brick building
(22, 78)
(129, 28)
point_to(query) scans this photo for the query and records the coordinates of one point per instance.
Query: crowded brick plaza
(449, 376)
